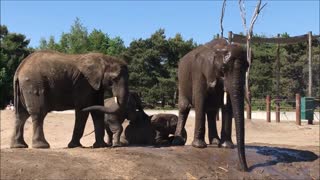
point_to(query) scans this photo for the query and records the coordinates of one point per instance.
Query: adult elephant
(204, 74)
(47, 81)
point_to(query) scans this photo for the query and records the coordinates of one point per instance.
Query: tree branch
(243, 15)
(255, 17)
(221, 18)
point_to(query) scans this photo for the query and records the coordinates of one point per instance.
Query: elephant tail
(16, 94)
(89, 133)
(96, 108)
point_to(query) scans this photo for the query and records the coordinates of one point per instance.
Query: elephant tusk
(225, 98)
(116, 100)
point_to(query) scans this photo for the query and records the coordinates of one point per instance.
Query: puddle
(282, 155)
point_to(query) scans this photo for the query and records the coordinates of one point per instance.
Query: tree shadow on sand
(282, 155)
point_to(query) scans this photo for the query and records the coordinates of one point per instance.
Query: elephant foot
(100, 145)
(124, 142)
(74, 144)
(116, 144)
(40, 144)
(227, 144)
(199, 143)
(178, 141)
(21, 144)
(243, 168)
(215, 142)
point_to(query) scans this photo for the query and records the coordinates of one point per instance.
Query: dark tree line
(14, 48)
(153, 62)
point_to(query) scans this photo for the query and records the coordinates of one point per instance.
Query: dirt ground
(273, 150)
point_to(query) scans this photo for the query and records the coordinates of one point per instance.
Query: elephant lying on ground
(210, 76)
(152, 130)
(165, 125)
(113, 122)
(46, 81)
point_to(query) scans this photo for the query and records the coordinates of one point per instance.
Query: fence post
(278, 83)
(230, 36)
(298, 109)
(278, 110)
(309, 64)
(268, 106)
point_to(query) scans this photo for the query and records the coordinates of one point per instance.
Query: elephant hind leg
(38, 140)
(17, 140)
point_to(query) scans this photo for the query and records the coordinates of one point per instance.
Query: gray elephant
(209, 75)
(113, 121)
(47, 81)
(152, 130)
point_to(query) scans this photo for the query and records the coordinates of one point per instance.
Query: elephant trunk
(237, 100)
(99, 108)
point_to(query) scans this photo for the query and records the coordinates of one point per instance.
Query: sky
(131, 20)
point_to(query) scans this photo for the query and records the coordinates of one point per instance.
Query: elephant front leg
(98, 123)
(116, 136)
(212, 128)
(199, 130)
(79, 125)
(226, 129)
(109, 133)
(184, 109)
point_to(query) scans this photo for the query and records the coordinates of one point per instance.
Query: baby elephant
(113, 122)
(165, 125)
(152, 130)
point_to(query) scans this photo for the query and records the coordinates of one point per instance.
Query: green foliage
(262, 70)
(152, 65)
(13, 51)
(78, 41)
(293, 70)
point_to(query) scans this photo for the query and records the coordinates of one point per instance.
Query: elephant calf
(113, 122)
(165, 125)
(152, 130)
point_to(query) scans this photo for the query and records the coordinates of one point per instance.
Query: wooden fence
(278, 40)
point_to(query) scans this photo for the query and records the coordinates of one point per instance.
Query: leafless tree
(221, 18)
(249, 33)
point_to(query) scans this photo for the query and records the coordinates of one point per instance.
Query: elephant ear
(226, 53)
(113, 71)
(92, 67)
(232, 51)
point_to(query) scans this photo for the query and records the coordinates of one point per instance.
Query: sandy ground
(274, 151)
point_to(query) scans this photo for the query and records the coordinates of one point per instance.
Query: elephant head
(104, 71)
(233, 67)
